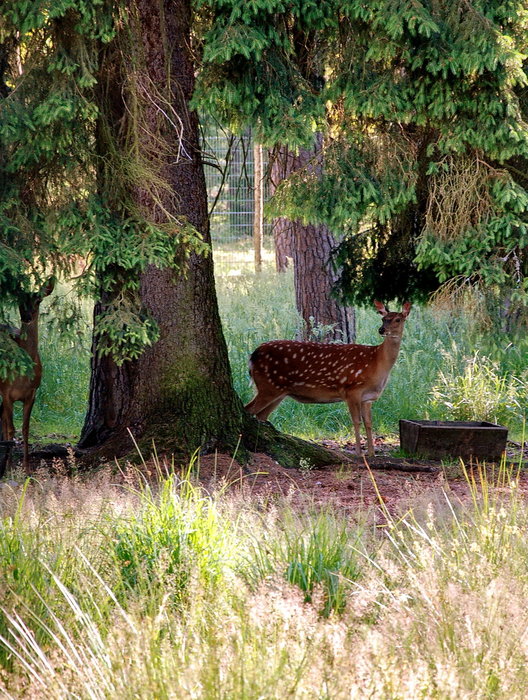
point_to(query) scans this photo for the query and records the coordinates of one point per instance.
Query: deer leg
(367, 421)
(250, 407)
(354, 408)
(264, 414)
(261, 406)
(28, 407)
(8, 428)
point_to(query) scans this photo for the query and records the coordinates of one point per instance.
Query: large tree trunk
(311, 248)
(179, 392)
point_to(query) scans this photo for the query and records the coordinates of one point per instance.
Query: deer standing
(328, 373)
(24, 388)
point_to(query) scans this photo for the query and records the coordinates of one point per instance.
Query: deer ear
(406, 308)
(47, 287)
(381, 308)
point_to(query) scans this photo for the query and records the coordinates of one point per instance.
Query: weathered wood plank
(465, 439)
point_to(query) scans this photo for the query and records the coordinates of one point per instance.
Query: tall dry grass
(201, 600)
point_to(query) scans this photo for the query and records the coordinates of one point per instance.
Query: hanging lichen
(67, 178)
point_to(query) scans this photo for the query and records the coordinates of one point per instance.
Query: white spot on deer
(358, 373)
(294, 356)
(343, 380)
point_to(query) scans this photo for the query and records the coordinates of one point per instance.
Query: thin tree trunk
(282, 228)
(282, 242)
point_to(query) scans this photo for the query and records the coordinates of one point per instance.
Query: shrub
(477, 392)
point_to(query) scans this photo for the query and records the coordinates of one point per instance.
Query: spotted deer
(328, 373)
(24, 388)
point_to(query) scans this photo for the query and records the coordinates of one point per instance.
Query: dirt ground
(367, 484)
(380, 485)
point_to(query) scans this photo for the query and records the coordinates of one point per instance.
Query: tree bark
(179, 393)
(323, 316)
(311, 248)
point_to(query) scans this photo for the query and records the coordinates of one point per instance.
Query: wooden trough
(466, 439)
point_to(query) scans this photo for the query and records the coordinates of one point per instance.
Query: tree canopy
(423, 111)
(421, 104)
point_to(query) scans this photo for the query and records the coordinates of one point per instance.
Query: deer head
(393, 322)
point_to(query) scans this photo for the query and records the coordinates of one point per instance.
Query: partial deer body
(327, 373)
(24, 388)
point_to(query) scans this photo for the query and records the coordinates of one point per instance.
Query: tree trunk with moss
(179, 392)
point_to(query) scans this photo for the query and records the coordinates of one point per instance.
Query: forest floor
(371, 487)
(374, 486)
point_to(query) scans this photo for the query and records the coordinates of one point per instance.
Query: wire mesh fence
(230, 179)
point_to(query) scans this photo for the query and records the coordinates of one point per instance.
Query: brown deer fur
(327, 373)
(24, 388)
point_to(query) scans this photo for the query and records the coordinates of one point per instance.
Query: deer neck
(390, 349)
(28, 339)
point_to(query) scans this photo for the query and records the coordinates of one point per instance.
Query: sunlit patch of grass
(315, 553)
(257, 308)
(173, 537)
(237, 257)
(63, 394)
(479, 390)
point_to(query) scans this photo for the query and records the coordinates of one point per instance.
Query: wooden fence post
(258, 209)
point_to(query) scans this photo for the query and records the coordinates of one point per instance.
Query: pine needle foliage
(423, 111)
(257, 69)
(65, 179)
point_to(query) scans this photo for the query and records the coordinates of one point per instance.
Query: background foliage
(447, 368)
(423, 111)
(56, 216)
